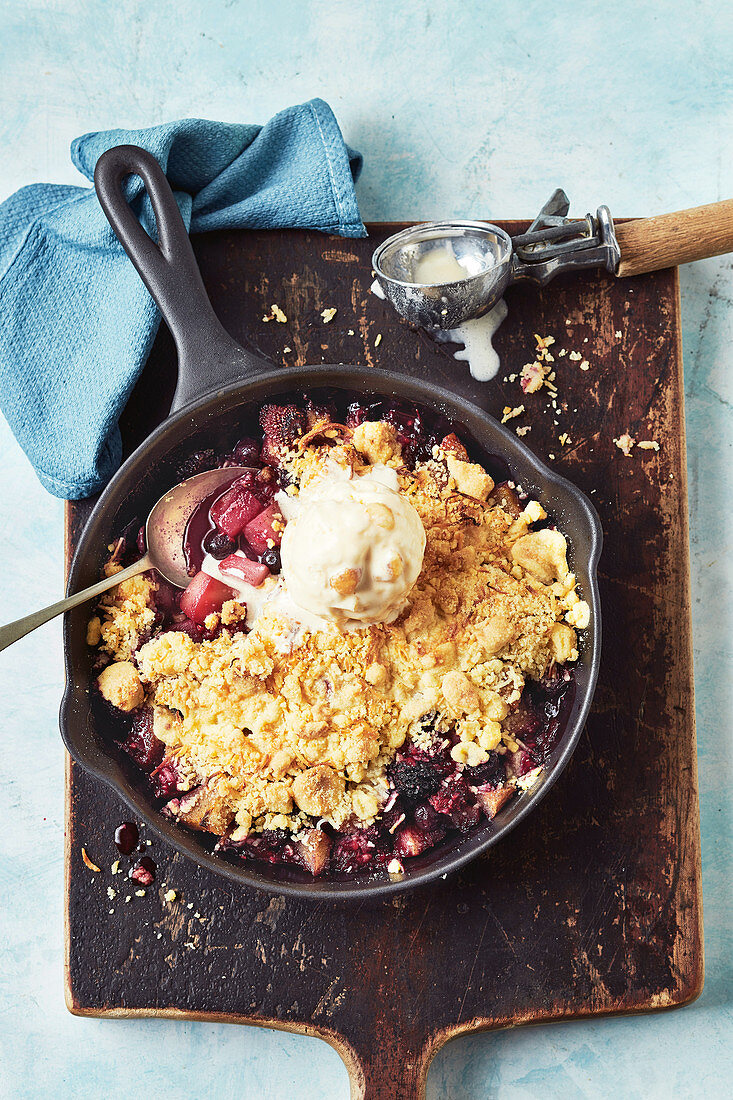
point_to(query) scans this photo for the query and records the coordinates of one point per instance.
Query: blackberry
(197, 463)
(492, 773)
(415, 781)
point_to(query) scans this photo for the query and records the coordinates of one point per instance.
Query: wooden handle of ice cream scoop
(649, 244)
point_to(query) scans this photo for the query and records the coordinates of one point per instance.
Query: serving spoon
(164, 532)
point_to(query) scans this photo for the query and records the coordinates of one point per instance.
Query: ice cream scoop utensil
(554, 243)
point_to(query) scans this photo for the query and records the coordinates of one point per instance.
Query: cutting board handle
(649, 244)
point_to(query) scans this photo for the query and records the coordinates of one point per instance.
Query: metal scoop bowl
(484, 251)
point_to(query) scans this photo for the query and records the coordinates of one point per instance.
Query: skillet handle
(208, 357)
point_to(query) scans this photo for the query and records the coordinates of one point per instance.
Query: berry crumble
(375, 649)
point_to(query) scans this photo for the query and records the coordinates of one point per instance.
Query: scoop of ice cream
(353, 547)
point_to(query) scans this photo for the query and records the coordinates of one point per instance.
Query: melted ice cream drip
(477, 336)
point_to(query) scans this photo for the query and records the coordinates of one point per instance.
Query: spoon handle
(13, 631)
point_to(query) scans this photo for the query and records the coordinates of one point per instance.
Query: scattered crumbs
(116, 867)
(377, 340)
(617, 334)
(350, 332)
(170, 895)
(88, 863)
(509, 413)
(648, 445)
(511, 378)
(544, 342)
(584, 364)
(575, 356)
(328, 314)
(139, 893)
(564, 439)
(275, 314)
(111, 893)
(625, 443)
(523, 431)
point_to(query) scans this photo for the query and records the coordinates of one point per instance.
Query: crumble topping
(272, 728)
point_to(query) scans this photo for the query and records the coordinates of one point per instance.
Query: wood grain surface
(592, 905)
(650, 244)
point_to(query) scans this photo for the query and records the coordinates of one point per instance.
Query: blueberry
(271, 558)
(247, 451)
(218, 545)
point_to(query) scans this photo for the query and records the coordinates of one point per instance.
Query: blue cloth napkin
(76, 322)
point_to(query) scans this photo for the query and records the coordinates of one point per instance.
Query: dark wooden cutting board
(592, 905)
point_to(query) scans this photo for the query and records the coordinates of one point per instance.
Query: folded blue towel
(77, 323)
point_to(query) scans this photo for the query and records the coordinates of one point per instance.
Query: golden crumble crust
(276, 724)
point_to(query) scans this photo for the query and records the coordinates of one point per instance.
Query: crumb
(116, 867)
(625, 443)
(378, 340)
(562, 351)
(287, 349)
(648, 445)
(350, 332)
(584, 364)
(575, 356)
(170, 895)
(523, 431)
(139, 893)
(111, 893)
(128, 898)
(564, 439)
(509, 413)
(551, 456)
(328, 315)
(87, 861)
(617, 334)
(190, 905)
(275, 314)
(532, 376)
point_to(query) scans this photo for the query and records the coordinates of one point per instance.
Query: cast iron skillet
(220, 386)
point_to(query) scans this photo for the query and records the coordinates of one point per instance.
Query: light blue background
(472, 109)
